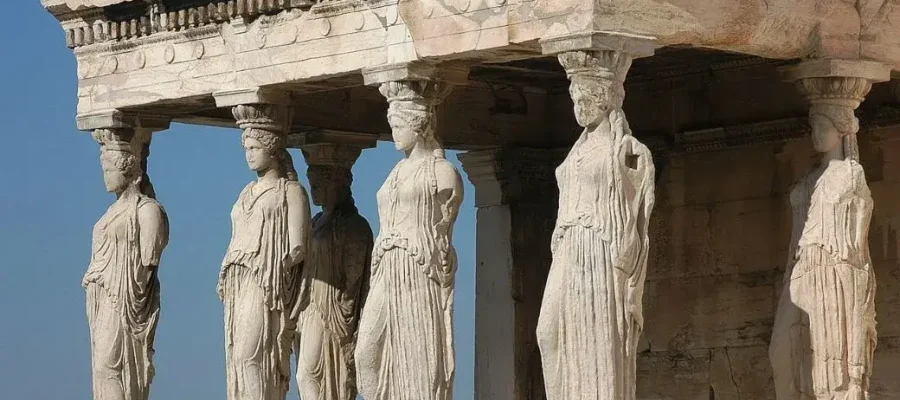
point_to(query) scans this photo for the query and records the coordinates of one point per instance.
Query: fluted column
(516, 197)
(405, 347)
(122, 286)
(824, 337)
(260, 280)
(591, 314)
(336, 276)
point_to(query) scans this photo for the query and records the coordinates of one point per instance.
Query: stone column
(260, 280)
(405, 347)
(335, 275)
(591, 314)
(122, 285)
(823, 341)
(516, 197)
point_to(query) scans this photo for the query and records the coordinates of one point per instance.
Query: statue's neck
(129, 192)
(269, 176)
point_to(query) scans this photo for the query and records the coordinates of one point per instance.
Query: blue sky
(51, 193)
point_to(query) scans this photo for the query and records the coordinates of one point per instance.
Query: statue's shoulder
(150, 211)
(446, 174)
(358, 224)
(150, 204)
(858, 178)
(294, 188)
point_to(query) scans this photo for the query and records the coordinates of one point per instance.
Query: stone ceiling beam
(112, 119)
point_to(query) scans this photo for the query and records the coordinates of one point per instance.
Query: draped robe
(824, 336)
(335, 280)
(591, 314)
(259, 292)
(405, 349)
(123, 299)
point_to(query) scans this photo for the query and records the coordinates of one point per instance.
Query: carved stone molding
(91, 23)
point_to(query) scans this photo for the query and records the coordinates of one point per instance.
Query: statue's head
(596, 85)
(329, 185)
(329, 172)
(830, 124)
(411, 111)
(261, 148)
(117, 157)
(263, 137)
(409, 126)
(593, 99)
(831, 112)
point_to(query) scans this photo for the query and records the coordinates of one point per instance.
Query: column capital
(331, 154)
(453, 73)
(118, 119)
(504, 176)
(636, 46)
(269, 117)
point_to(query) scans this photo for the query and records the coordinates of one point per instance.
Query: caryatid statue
(121, 282)
(335, 278)
(823, 341)
(591, 315)
(260, 278)
(405, 349)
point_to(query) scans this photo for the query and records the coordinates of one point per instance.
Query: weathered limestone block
(700, 240)
(709, 312)
(732, 373)
(335, 278)
(260, 278)
(884, 384)
(121, 282)
(405, 348)
(591, 315)
(663, 376)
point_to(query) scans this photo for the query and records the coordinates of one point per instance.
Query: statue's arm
(357, 255)
(865, 206)
(153, 225)
(299, 224)
(799, 211)
(450, 192)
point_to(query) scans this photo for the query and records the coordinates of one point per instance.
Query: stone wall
(720, 234)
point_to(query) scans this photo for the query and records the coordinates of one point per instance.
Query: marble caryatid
(591, 315)
(260, 278)
(335, 278)
(121, 282)
(823, 341)
(405, 349)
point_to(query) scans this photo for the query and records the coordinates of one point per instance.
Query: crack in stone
(731, 374)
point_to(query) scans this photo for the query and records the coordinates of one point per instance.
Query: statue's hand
(294, 256)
